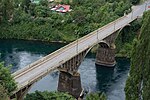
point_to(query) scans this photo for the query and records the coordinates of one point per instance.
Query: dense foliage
(61, 96)
(27, 20)
(6, 80)
(3, 93)
(135, 1)
(96, 96)
(138, 82)
(48, 96)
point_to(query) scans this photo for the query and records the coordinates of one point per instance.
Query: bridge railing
(57, 52)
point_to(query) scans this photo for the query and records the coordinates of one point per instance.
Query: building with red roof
(61, 8)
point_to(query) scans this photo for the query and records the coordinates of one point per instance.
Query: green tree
(25, 4)
(6, 80)
(6, 9)
(41, 11)
(138, 82)
(96, 96)
(44, 3)
(135, 1)
(48, 96)
(3, 93)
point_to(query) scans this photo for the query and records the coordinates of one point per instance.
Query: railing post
(77, 43)
(114, 26)
(97, 36)
(77, 35)
(145, 5)
(132, 14)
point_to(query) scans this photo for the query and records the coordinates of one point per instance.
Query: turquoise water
(20, 53)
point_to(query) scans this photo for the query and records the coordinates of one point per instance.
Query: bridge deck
(45, 65)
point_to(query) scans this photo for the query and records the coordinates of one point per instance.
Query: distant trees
(37, 21)
(138, 82)
(6, 10)
(25, 4)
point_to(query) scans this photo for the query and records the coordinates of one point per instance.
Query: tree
(44, 3)
(79, 15)
(41, 11)
(135, 1)
(96, 96)
(6, 9)
(25, 4)
(48, 96)
(3, 93)
(138, 82)
(6, 80)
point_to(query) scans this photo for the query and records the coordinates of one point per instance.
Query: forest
(138, 82)
(22, 19)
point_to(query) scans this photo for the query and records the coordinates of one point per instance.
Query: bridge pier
(70, 83)
(105, 56)
(69, 77)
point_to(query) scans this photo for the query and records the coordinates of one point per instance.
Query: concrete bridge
(68, 58)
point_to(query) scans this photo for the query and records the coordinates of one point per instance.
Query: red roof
(61, 8)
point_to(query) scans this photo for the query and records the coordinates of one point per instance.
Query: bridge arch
(127, 26)
(122, 33)
(104, 44)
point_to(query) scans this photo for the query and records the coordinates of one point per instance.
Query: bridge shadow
(104, 76)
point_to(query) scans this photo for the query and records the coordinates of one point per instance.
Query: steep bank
(138, 82)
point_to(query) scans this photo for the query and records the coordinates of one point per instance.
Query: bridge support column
(105, 56)
(70, 83)
(106, 51)
(69, 77)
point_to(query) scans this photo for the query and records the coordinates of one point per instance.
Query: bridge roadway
(35, 71)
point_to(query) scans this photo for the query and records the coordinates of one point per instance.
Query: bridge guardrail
(44, 59)
(63, 48)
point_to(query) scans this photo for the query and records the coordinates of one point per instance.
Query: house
(61, 8)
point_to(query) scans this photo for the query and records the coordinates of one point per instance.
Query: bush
(6, 80)
(48, 96)
(96, 96)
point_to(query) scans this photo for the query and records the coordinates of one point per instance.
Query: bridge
(68, 58)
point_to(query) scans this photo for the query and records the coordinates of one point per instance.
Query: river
(20, 53)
